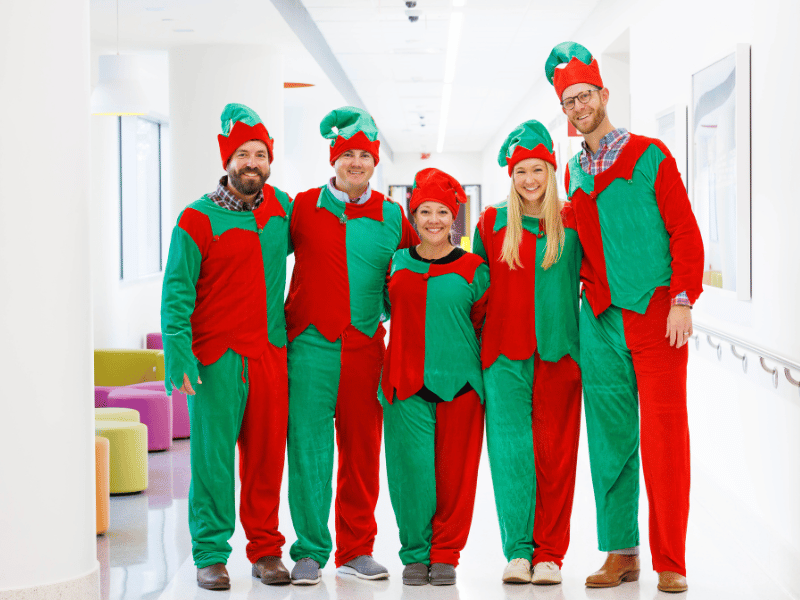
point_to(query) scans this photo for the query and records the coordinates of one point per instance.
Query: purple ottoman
(155, 411)
(101, 395)
(180, 409)
(154, 341)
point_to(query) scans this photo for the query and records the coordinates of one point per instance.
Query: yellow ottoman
(123, 367)
(128, 460)
(116, 414)
(102, 490)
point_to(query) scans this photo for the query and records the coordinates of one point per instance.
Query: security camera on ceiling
(413, 14)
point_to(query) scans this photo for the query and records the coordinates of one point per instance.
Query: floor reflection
(148, 537)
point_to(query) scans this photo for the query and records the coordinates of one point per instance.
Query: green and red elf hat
(433, 185)
(240, 124)
(528, 140)
(570, 63)
(350, 128)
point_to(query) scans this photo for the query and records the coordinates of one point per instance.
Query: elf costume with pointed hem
(222, 319)
(642, 249)
(530, 355)
(432, 389)
(333, 314)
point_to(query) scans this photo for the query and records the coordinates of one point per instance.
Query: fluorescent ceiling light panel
(453, 39)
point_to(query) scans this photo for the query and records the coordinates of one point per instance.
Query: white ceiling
(396, 67)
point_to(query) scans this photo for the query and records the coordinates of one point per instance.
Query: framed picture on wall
(673, 129)
(720, 171)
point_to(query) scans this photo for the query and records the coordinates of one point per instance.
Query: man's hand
(187, 388)
(679, 325)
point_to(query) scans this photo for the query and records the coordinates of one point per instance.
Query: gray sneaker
(442, 574)
(306, 572)
(364, 567)
(415, 574)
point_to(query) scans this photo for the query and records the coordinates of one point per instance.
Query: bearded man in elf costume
(530, 356)
(642, 270)
(225, 345)
(344, 235)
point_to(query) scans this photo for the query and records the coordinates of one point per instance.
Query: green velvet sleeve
(177, 304)
(477, 245)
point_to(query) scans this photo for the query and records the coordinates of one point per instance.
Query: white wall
(123, 311)
(744, 432)
(47, 520)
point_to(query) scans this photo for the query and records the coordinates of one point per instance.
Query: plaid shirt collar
(224, 197)
(610, 146)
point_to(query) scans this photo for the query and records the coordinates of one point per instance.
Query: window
(142, 186)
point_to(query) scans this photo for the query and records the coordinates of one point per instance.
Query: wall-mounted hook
(789, 377)
(742, 357)
(717, 347)
(773, 370)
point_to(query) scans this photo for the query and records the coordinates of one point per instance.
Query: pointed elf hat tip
(240, 124)
(528, 140)
(570, 63)
(350, 128)
(433, 185)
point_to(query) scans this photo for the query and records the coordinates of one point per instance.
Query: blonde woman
(530, 358)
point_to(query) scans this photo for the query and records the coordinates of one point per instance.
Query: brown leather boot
(214, 577)
(670, 581)
(270, 570)
(617, 568)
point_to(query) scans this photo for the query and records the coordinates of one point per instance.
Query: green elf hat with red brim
(350, 128)
(433, 185)
(528, 140)
(240, 124)
(570, 63)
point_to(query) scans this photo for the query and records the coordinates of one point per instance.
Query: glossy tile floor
(147, 553)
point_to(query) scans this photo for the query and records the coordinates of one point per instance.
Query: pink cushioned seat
(101, 395)
(180, 408)
(155, 410)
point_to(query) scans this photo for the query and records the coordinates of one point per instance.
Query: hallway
(147, 551)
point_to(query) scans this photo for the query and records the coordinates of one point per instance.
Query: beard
(584, 127)
(250, 186)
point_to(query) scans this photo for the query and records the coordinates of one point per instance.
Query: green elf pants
(533, 412)
(334, 383)
(241, 401)
(636, 382)
(432, 456)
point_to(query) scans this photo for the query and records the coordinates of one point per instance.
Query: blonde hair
(551, 214)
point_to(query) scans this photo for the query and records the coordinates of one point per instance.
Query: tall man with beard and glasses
(225, 345)
(642, 270)
(344, 235)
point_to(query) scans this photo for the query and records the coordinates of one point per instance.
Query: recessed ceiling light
(183, 30)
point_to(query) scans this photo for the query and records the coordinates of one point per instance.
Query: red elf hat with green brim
(350, 128)
(240, 124)
(570, 63)
(433, 185)
(528, 140)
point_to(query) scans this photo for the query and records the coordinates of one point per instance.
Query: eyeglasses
(583, 98)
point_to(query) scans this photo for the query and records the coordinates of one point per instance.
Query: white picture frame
(720, 172)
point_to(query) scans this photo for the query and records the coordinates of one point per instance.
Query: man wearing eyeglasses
(641, 272)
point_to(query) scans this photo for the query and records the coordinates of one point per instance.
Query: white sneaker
(546, 573)
(517, 571)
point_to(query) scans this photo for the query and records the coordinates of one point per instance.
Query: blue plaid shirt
(611, 145)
